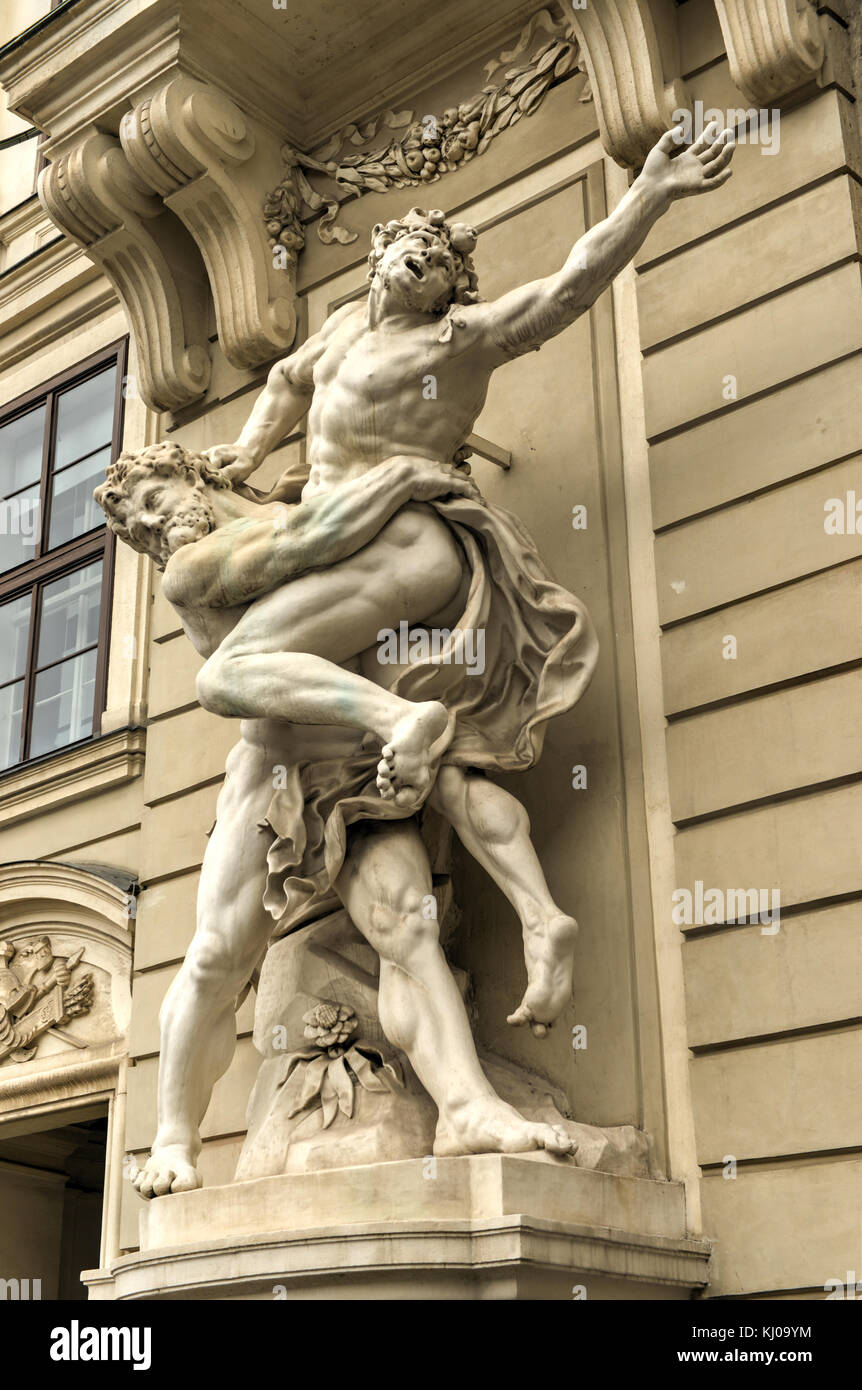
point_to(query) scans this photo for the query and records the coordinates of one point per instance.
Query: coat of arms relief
(40, 992)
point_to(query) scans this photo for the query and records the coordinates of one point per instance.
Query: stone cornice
(21, 218)
(69, 776)
(85, 900)
(33, 1090)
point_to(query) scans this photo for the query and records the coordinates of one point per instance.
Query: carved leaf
(532, 96)
(386, 1077)
(305, 1084)
(522, 82)
(489, 110)
(502, 121)
(342, 1085)
(549, 57)
(329, 1106)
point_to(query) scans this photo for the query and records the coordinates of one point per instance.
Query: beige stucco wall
(763, 283)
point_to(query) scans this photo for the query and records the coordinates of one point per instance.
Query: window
(56, 557)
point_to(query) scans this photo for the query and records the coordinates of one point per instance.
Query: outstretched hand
(698, 168)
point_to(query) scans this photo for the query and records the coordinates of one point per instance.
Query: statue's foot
(489, 1125)
(169, 1168)
(549, 950)
(406, 772)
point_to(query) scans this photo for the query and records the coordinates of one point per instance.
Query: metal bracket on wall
(492, 452)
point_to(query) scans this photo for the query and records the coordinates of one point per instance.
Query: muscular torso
(379, 393)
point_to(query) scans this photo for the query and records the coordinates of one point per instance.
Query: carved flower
(327, 1076)
(330, 1026)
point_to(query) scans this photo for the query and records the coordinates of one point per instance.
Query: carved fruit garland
(429, 147)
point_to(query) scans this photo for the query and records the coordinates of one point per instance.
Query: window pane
(85, 417)
(20, 521)
(21, 451)
(14, 630)
(63, 704)
(11, 705)
(73, 510)
(70, 614)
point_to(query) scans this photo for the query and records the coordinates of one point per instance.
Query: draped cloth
(539, 656)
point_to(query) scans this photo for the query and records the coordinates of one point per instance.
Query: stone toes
(559, 1142)
(384, 768)
(540, 1030)
(162, 1184)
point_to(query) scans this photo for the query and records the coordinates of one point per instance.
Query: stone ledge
(499, 1257)
(493, 1225)
(473, 1188)
(90, 767)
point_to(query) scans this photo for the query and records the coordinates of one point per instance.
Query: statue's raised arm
(526, 317)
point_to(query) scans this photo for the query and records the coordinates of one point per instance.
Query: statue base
(489, 1226)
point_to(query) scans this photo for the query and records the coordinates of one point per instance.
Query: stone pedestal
(491, 1226)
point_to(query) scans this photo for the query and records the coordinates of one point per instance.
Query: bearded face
(166, 513)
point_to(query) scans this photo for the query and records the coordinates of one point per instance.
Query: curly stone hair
(165, 460)
(458, 239)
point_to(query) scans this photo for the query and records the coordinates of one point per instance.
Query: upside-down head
(159, 499)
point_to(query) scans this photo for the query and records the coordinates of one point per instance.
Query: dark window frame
(99, 544)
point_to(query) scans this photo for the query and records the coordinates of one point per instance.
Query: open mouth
(415, 267)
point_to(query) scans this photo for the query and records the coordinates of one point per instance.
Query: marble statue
(286, 595)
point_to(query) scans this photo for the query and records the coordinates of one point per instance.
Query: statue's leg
(280, 661)
(197, 1019)
(494, 827)
(385, 884)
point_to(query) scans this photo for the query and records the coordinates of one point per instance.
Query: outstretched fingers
(719, 156)
(672, 140)
(706, 142)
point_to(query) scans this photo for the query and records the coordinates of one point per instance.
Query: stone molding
(93, 195)
(630, 52)
(27, 1093)
(192, 146)
(53, 293)
(516, 1257)
(517, 1224)
(25, 217)
(35, 788)
(773, 46)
